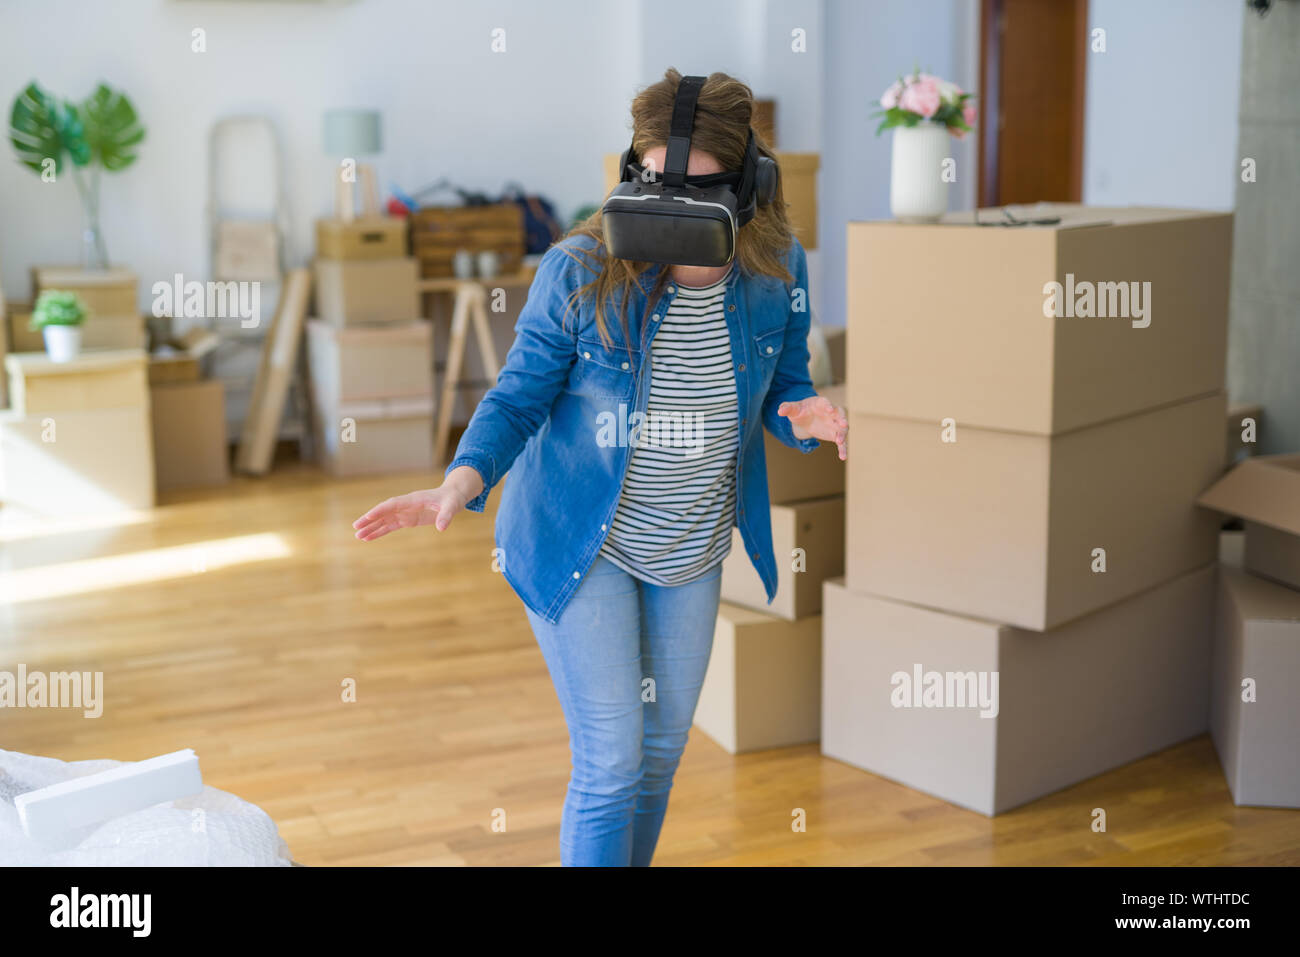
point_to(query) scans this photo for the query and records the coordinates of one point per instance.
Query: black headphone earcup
(622, 165)
(766, 177)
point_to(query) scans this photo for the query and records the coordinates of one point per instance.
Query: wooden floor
(228, 621)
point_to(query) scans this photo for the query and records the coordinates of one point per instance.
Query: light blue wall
(1161, 125)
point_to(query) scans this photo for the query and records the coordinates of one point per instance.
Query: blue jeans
(627, 659)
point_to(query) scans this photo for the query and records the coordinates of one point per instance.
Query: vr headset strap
(679, 135)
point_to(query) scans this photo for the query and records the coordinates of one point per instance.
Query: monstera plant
(99, 133)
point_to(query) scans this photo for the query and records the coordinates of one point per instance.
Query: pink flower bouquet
(925, 98)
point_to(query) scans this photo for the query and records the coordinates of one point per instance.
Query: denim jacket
(555, 418)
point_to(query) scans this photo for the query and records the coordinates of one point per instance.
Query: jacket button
(576, 575)
(769, 350)
(625, 365)
(602, 526)
(731, 308)
(742, 367)
(655, 317)
(672, 289)
(586, 355)
(755, 556)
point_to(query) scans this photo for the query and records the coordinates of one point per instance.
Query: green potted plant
(58, 315)
(99, 133)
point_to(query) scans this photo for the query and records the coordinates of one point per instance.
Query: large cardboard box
(372, 438)
(368, 290)
(113, 332)
(1007, 526)
(93, 380)
(22, 337)
(977, 346)
(82, 462)
(1243, 430)
(794, 476)
(370, 362)
(808, 540)
(104, 292)
(366, 237)
(1254, 710)
(988, 716)
(189, 434)
(763, 685)
(1265, 493)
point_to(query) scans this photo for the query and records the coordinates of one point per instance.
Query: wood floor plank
(455, 720)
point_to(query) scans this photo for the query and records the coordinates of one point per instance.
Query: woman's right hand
(433, 506)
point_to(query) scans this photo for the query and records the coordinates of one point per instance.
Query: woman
(633, 438)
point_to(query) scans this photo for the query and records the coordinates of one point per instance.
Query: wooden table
(469, 306)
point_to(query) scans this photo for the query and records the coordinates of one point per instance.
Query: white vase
(917, 190)
(62, 343)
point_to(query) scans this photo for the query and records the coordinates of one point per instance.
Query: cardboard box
(798, 187)
(1071, 703)
(793, 476)
(1243, 422)
(808, 540)
(176, 367)
(373, 438)
(97, 334)
(1256, 726)
(359, 363)
(112, 332)
(189, 434)
(93, 380)
(104, 292)
(977, 346)
(22, 337)
(1004, 525)
(360, 291)
(366, 237)
(1265, 493)
(763, 685)
(837, 339)
(84, 462)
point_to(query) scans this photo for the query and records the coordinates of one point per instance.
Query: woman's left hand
(817, 417)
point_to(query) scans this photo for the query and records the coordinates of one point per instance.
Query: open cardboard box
(1265, 493)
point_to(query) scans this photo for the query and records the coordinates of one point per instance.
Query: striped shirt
(674, 516)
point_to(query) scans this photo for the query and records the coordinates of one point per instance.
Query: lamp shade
(352, 132)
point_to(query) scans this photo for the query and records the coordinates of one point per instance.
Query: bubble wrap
(210, 829)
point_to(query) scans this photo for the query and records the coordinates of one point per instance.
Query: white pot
(62, 343)
(917, 191)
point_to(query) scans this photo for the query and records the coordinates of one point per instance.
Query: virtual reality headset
(685, 220)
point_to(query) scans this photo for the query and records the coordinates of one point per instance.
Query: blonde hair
(723, 116)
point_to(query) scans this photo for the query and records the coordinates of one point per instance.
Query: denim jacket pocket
(767, 350)
(604, 372)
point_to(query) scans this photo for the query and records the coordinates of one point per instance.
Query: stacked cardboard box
(77, 439)
(1028, 582)
(1254, 711)
(113, 319)
(190, 442)
(370, 356)
(372, 396)
(763, 685)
